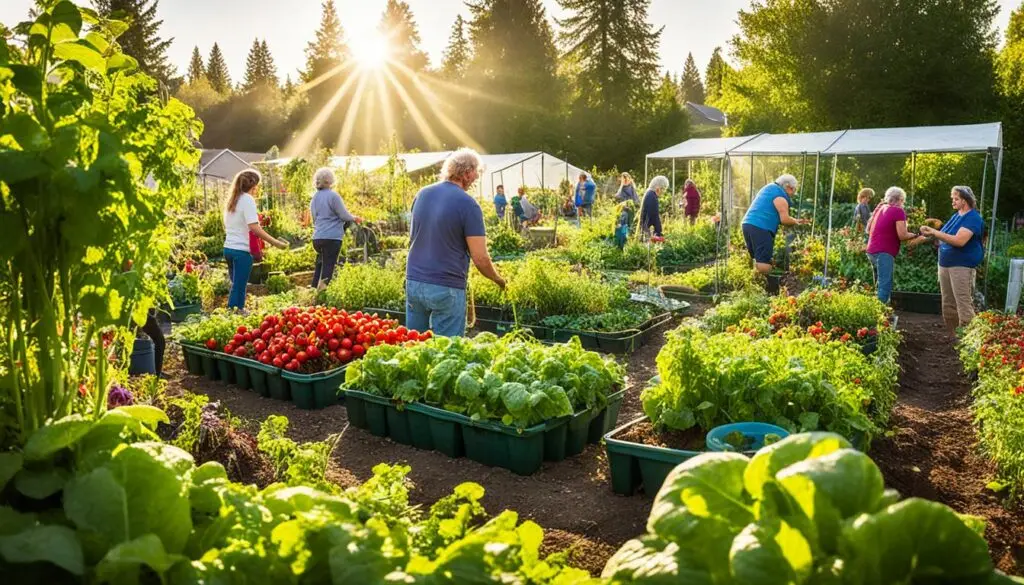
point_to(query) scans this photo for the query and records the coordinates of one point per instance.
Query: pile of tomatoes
(315, 339)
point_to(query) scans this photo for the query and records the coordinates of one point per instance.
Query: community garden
(642, 415)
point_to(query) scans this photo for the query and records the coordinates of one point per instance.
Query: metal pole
(646, 163)
(722, 228)
(814, 208)
(803, 176)
(672, 198)
(984, 176)
(995, 210)
(750, 195)
(828, 237)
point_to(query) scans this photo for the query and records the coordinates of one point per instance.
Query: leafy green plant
(184, 288)
(86, 242)
(361, 286)
(504, 240)
(279, 283)
(213, 284)
(296, 464)
(515, 380)
(290, 261)
(808, 509)
(220, 325)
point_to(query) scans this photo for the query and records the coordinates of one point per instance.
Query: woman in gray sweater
(329, 218)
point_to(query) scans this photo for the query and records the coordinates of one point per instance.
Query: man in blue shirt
(446, 231)
(500, 202)
(585, 190)
(768, 209)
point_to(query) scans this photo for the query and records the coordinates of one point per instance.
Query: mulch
(931, 451)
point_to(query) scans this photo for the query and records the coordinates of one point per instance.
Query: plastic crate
(313, 391)
(633, 465)
(521, 451)
(181, 312)
(193, 357)
(260, 375)
(210, 369)
(240, 370)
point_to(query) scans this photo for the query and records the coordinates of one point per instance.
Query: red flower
(1018, 390)
(82, 390)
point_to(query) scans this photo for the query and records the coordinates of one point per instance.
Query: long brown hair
(244, 182)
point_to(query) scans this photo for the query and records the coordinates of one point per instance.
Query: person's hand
(281, 244)
(803, 221)
(359, 219)
(501, 283)
(927, 230)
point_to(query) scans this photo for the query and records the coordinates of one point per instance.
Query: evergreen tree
(141, 40)
(399, 27)
(458, 52)
(328, 50)
(690, 87)
(196, 70)
(616, 49)
(217, 71)
(1010, 84)
(259, 67)
(713, 76)
(513, 73)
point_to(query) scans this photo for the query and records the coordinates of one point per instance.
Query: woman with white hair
(886, 229)
(767, 211)
(650, 216)
(960, 252)
(329, 219)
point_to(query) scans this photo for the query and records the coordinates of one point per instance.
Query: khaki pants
(957, 286)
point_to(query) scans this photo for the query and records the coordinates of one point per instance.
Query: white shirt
(236, 223)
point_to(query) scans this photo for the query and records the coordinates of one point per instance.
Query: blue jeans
(239, 267)
(882, 265)
(438, 308)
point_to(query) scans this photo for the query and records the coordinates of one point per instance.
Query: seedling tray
(260, 376)
(672, 293)
(618, 342)
(634, 465)
(314, 391)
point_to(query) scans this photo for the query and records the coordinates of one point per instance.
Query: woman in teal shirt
(960, 253)
(768, 209)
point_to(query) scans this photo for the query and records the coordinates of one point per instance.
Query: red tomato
(402, 330)
(391, 336)
(426, 335)
(358, 350)
(321, 330)
(371, 339)
(241, 352)
(277, 363)
(297, 330)
(302, 357)
(338, 330)
(211, 343)
(292, 351)
(332, 344)
(360, 338)
(314, 352)
(292, 366)
(344, 355)
(238, 339)
(346, 343)
(241, 329)
(259, 345)
(229, 348)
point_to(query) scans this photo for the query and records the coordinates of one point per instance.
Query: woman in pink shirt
(886, 230)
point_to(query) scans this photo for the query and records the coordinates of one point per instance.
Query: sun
(372, 51)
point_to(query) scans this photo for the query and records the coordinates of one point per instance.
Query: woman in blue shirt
(960, 253)
(767, 211)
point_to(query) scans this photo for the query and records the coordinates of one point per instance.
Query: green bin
(367, 411)
(398, 425)
(445, 428)
(210, 361)
(193, 359)
(312, 391)
(518, 450)
(240, 368)
(260, 375)
(277, 386)
(606, 418)
(225, 369)
(633, 464)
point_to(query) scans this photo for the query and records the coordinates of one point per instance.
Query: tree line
(588, 86)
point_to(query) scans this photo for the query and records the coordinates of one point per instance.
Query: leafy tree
(458, 52)
(513, 74)
(142, 39)
(1010, 86)
(814, 65)
(399, 27)
(328, 49)
(690, 87)
(200, 95)
(713, 74)
(196, 70)
(217, 71)
(326, 72)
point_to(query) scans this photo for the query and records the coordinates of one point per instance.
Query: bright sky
(696, 26)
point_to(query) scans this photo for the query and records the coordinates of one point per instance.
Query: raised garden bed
(674, 292)
(927, 303)
(634, 465)
(618, 342)
(313, 391)
(181, 312)
(522, 451)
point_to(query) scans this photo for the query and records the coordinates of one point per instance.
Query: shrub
(279, 283)
(361, 286)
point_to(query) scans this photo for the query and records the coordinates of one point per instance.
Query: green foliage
(140, 41)
(184, 288)
(217, 71)
(543, 287)
(364, 286)
(690, 87)
(296, 464)
(290, 261)
(220, 325)
(504, 240)
(213, 284)
(79, 133)
(279, 283)
(808, 509)
(514, 380)
(128, 509)
(188, 433)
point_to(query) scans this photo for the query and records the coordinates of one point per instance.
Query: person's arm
(959, 239)
(252, 218)
(256, 229)
(339, 209)
(782, 206)
(902, 231)
(482, 259)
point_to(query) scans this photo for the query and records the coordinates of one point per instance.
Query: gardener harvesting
(585, 190)
(447, 231)
(650, 216)
(329, 219)
(887, 228)
(500, 203)
(960, 253)
(691, 201)
(768, 209)
(241, 217)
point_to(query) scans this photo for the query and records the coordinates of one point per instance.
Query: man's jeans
(882, 265)
(439, 308)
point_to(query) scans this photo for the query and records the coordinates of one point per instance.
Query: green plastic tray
(634, 465)
(193, 356)
(225, 369)
(367, 411)
(240, 371)
(520, 451)
(181, 312)
(210, 369)
(444, 427)
(312, 391)
(605, 420)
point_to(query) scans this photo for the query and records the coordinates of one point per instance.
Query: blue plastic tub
(715, 439)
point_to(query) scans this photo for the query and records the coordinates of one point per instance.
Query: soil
(932, 449)
(689, 440)
(930, 452)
